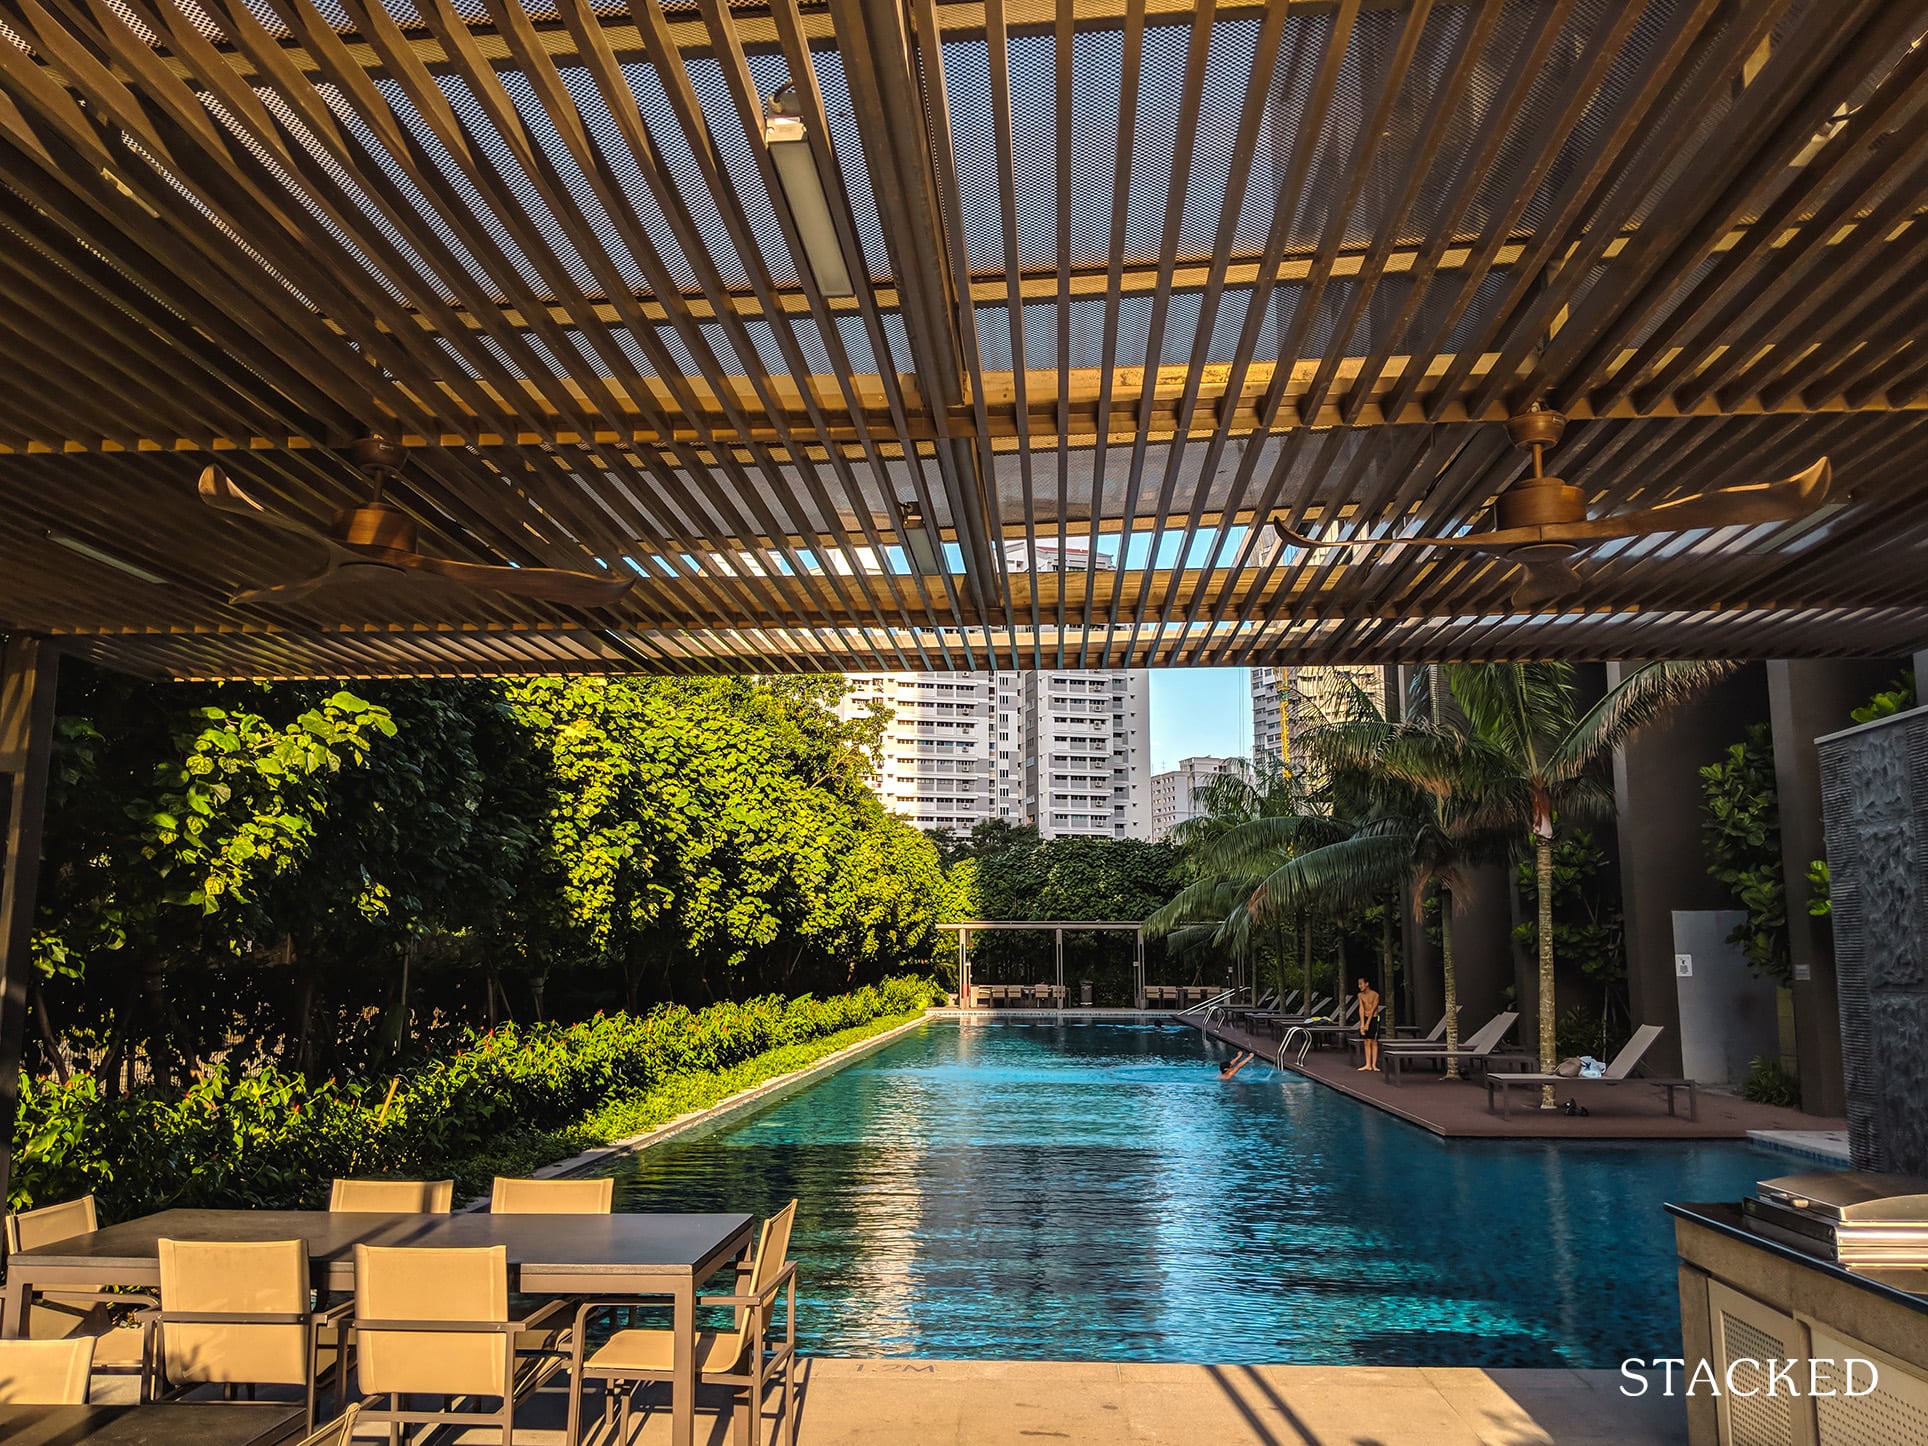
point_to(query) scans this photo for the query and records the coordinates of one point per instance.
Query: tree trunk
(1549, 1040)
(49, 1041)
(1305, 960)
(1388, 972)
(154, 998)
(1451, 984)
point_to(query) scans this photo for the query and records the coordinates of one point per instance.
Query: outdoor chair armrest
(763, 1297)
(464, 1327)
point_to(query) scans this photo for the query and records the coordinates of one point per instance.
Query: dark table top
(184, 1424)
(546, 1244)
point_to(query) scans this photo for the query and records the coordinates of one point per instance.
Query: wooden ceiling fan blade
(1474, 540)
(1747, 506)
(550, 584)
(286, 591)
(223, 494)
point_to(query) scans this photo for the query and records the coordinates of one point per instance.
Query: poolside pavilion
(831, 325)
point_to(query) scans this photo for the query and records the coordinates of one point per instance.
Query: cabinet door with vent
(1895, 1413)
(1745, 1331)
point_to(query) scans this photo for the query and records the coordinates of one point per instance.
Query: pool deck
(1457, 1108)
(993, 1403)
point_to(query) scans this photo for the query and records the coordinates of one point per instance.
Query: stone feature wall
(1874, 784)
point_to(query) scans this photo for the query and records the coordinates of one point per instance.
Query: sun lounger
(1618, 1073)
(1483, 1049)
(1276, 1021)
(1431, 1036)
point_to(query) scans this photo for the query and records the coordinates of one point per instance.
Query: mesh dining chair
(338, 1432)
(241, 1313)
(399, 1197)
(744, 1358)
(550, 1319)
(552, 1197)
(113, 1320)
(435, 1321)
(46, 1373)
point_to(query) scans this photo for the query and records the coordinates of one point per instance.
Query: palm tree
(1410, 790)
(1534, 760)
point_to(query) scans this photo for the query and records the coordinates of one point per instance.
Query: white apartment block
(1269, 688)
(1067, 750)
(1087, 752)
(1287, 702)
(936, 767)
(1174, 794)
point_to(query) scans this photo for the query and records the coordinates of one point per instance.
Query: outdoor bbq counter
(1744, 1298)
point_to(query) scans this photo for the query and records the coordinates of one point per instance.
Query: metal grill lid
(1851, 1196)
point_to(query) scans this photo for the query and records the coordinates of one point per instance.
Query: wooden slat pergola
(1130, 276)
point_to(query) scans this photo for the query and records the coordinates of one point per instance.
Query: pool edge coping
(758, 1094)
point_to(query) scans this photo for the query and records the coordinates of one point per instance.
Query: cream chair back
(400, 1197)
(51, 1224)
(552, 1197)
(46, 1373)
(424, 1286)
(235, 1278)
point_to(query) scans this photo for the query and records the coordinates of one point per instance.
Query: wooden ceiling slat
(242, 231)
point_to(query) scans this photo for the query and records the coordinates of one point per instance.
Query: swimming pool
(1014, 1191)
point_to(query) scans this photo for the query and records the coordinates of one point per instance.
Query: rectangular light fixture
(101, 555)
(788, 142)
(920, 547)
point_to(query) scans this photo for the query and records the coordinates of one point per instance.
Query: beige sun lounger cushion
(46, 1373)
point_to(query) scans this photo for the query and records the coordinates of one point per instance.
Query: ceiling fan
(376, 535)
(1542, 523)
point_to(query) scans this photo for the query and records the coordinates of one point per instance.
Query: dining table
(164, 1424)
(642, 1255)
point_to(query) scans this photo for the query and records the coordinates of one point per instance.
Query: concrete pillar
(1657, 790)
(1807, 700)
(27, 678)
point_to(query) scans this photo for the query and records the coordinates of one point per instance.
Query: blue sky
(1199, 710)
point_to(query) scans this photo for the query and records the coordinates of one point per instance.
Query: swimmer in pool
(1243, 1058)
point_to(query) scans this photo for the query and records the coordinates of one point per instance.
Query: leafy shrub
(1741, 827)
(1897, 697)
(265, 1138)
(1770, 1082)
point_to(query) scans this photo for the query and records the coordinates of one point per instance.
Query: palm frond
(1641, 697)
(1352, 873)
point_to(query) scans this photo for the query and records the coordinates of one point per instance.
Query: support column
(1663, 867)
(1057, 950)
(964, 967)
(26, 743)
(1808, 700)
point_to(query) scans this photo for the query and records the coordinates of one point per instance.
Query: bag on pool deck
(1568, 1068)
(1591, 1068)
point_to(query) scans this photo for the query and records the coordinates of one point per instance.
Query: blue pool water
(1094, 1192)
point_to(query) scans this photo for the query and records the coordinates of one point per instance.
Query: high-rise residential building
(1068, 750)
(1174, 793)
(1287, 702)
(1087, 752)
(936, 765)
(1268, 715)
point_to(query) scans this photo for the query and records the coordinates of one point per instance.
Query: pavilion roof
(1131, 277)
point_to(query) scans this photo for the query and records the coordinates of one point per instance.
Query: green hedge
(268, 1139)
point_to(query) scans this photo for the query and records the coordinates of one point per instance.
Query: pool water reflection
(1094, 1192)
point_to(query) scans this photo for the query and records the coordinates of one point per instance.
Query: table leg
(13, 1309)
(683, 1365)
